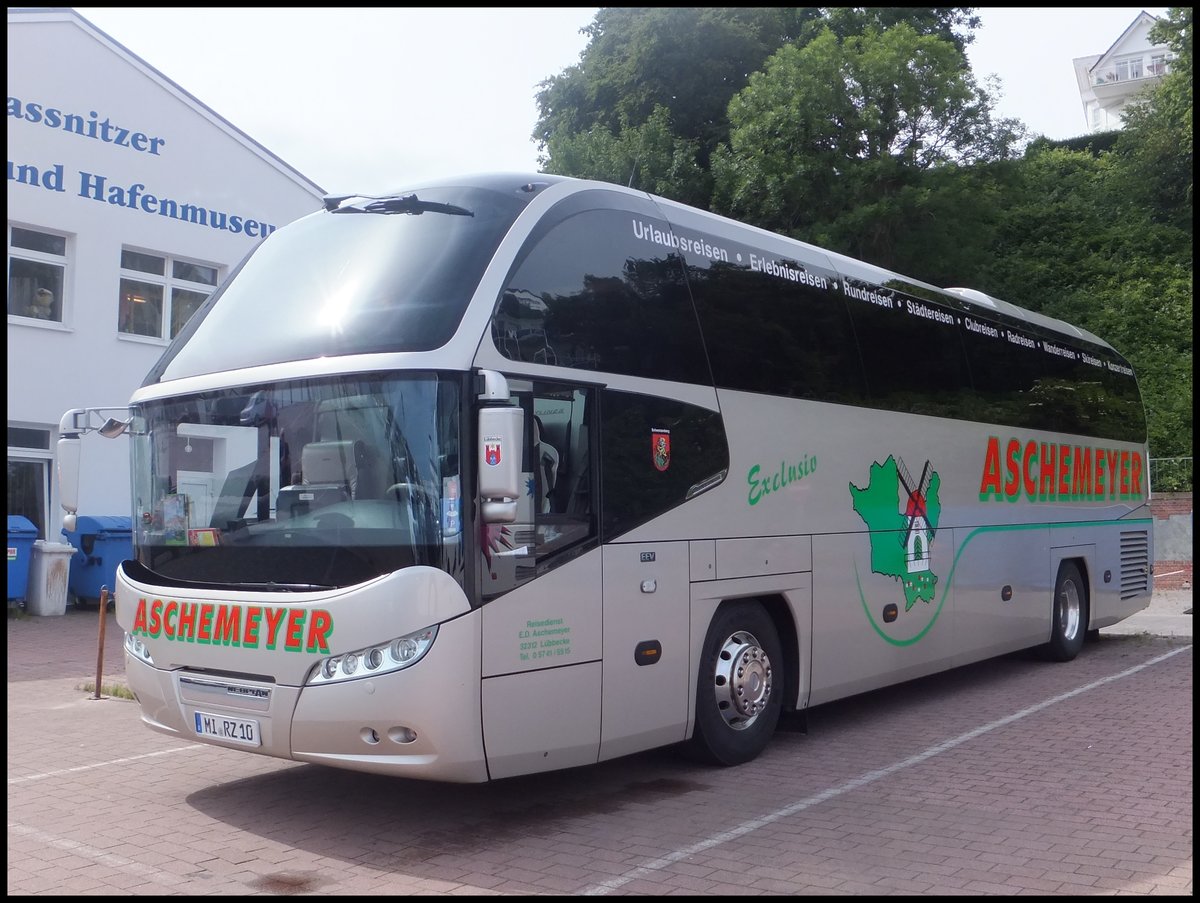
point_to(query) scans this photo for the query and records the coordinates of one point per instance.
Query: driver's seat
(329, 474)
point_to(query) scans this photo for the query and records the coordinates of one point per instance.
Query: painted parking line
(118, 863)
(41, 776)
(869, 777)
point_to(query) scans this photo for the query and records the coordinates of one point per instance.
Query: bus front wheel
(1069, 617)
(740, 686)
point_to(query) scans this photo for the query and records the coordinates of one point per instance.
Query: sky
(368, 100)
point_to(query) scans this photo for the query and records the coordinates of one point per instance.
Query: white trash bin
(49, 571)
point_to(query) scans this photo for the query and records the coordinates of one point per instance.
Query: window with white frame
(1129, 69)
(37, 273)
(29, 461)
(160, 293)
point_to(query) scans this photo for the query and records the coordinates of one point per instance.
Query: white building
(128, 201)
(1109, 81)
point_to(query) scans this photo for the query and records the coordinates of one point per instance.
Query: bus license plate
(222, 727)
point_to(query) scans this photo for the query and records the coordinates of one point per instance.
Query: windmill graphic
(918, 537)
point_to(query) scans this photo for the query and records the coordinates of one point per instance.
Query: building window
(1158, 64)
(29, 475)
(1127, 69)
(158, 290)
(37, 267)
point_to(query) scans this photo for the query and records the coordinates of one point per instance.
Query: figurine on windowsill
(42, 306)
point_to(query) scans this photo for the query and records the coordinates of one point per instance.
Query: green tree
(688, 60)
(692, 61)
(1156, 144)
(648, 156)
(840, 127)
(955, 24)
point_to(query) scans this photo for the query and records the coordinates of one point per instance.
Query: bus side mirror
(71, 428)
(69, 450)
(501, 427)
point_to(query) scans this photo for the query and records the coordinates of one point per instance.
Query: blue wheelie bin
(101, 543)
(22, 534)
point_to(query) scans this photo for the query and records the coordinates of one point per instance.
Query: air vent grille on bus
(1135, 563)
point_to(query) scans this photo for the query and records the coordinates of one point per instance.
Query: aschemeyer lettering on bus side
(1049, 471)
(247, 626)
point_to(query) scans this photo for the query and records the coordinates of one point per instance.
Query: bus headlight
(137, 649)
(380, 658)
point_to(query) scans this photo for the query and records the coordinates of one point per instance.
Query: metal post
(100, 649)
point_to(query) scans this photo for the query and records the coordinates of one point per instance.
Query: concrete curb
(1169, 614)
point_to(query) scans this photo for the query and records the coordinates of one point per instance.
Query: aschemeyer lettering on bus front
(224, 624)
(1050, 471)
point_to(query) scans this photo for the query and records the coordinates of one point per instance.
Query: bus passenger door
(542, 578)
(646, 655)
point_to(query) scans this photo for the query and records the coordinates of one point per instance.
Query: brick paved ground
(1011, 776)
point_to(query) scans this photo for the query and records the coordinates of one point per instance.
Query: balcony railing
(1130, 72)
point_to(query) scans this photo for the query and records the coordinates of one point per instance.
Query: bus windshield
(299, 485)
(365, 278)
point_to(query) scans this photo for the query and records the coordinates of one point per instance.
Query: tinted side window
(592, 293)
(1079, 399)
(1124, 414)
(776, 326)
(911, 351)
(1027, 377)
(655, 453)
(1006, 369)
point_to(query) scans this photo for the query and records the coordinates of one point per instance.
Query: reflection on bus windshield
(344, 480)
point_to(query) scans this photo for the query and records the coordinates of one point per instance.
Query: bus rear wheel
(1069, 619)
(739, 689)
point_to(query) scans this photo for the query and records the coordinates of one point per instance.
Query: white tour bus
(509, 474)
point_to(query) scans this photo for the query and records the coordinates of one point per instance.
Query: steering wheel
(334, 520)
(407, 491)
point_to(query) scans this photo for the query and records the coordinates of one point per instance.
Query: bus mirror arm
(74, 424)
(493, 387)
(80, 421)
(501, 426)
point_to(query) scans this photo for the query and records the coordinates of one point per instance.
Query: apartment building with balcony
(1110, 80)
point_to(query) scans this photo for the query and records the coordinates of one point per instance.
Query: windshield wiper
(139, 571)
(408, 204)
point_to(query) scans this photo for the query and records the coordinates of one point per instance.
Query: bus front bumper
(422, 722)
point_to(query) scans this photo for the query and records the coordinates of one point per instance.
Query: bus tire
(739, 690)
(1069, 618)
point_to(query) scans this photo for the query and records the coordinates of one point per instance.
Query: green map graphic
(882, 506)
